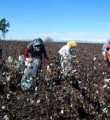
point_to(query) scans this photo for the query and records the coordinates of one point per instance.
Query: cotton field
(81, 94)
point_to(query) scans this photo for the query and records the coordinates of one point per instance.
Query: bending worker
(34, 52)
(66, 55)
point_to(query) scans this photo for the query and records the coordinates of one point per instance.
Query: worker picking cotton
(104, 48)
(66, 55)
(33, 53)
(106, 52)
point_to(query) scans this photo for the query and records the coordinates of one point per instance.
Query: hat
(72, 43)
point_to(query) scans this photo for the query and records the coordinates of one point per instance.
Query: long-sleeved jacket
(36, 52)
(65, 51)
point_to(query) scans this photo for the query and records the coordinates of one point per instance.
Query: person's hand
(29, 60)
(48, 69)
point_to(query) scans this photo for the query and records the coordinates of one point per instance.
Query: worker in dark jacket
(34, 52)
(0, 53)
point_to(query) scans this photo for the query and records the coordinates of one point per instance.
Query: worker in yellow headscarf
(66, 54)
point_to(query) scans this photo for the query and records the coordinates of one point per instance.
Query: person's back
(35, 49)
(64, 50)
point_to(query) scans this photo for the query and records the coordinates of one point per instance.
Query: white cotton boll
(108, 87)
(31, 78)
(80, 95)
(105, 86)
(10, 59)
(51, 118)
(65, 74)
(94, 58)
(97, 92)
(3, 107)
(58, 67)
(18, 98)
(95, 97)
(51, 64)
(61, 72)
(103, 73)
(95, 85)
(28, 80)
(105, 110)
(79, 82)
(47, 79)
(8, 96)
(46, 96)
(32, 101)
(38, 101)
(53, 83)
(70, 81)
(74, 71)
(62, 111)
(85, 88)
(4, 83)
(37, 78)
(95, 68)
(102, 103)
(107, 80)
(99, 64)
(36, 88)
(4, 73)
(71, 105)
(77, 61)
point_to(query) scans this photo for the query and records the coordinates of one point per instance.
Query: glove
(48, 69)
(29, 60)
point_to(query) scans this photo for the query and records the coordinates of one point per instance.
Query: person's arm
(68, 52)
(26, 53)
(46, 60)
(45, 56)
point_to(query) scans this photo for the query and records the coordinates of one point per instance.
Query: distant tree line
(4, 25)
(48, 40)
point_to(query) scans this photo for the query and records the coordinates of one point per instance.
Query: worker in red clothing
(33, 53)
(108, 55)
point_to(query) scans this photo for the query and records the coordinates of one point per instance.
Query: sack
(28, 84)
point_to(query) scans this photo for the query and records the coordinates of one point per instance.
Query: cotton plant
(10, 59)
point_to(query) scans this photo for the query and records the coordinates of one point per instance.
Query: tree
(3, 26)
(48, 39)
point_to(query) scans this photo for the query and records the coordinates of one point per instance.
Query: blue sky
(87, 20)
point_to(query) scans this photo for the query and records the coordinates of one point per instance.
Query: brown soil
(59, 99)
